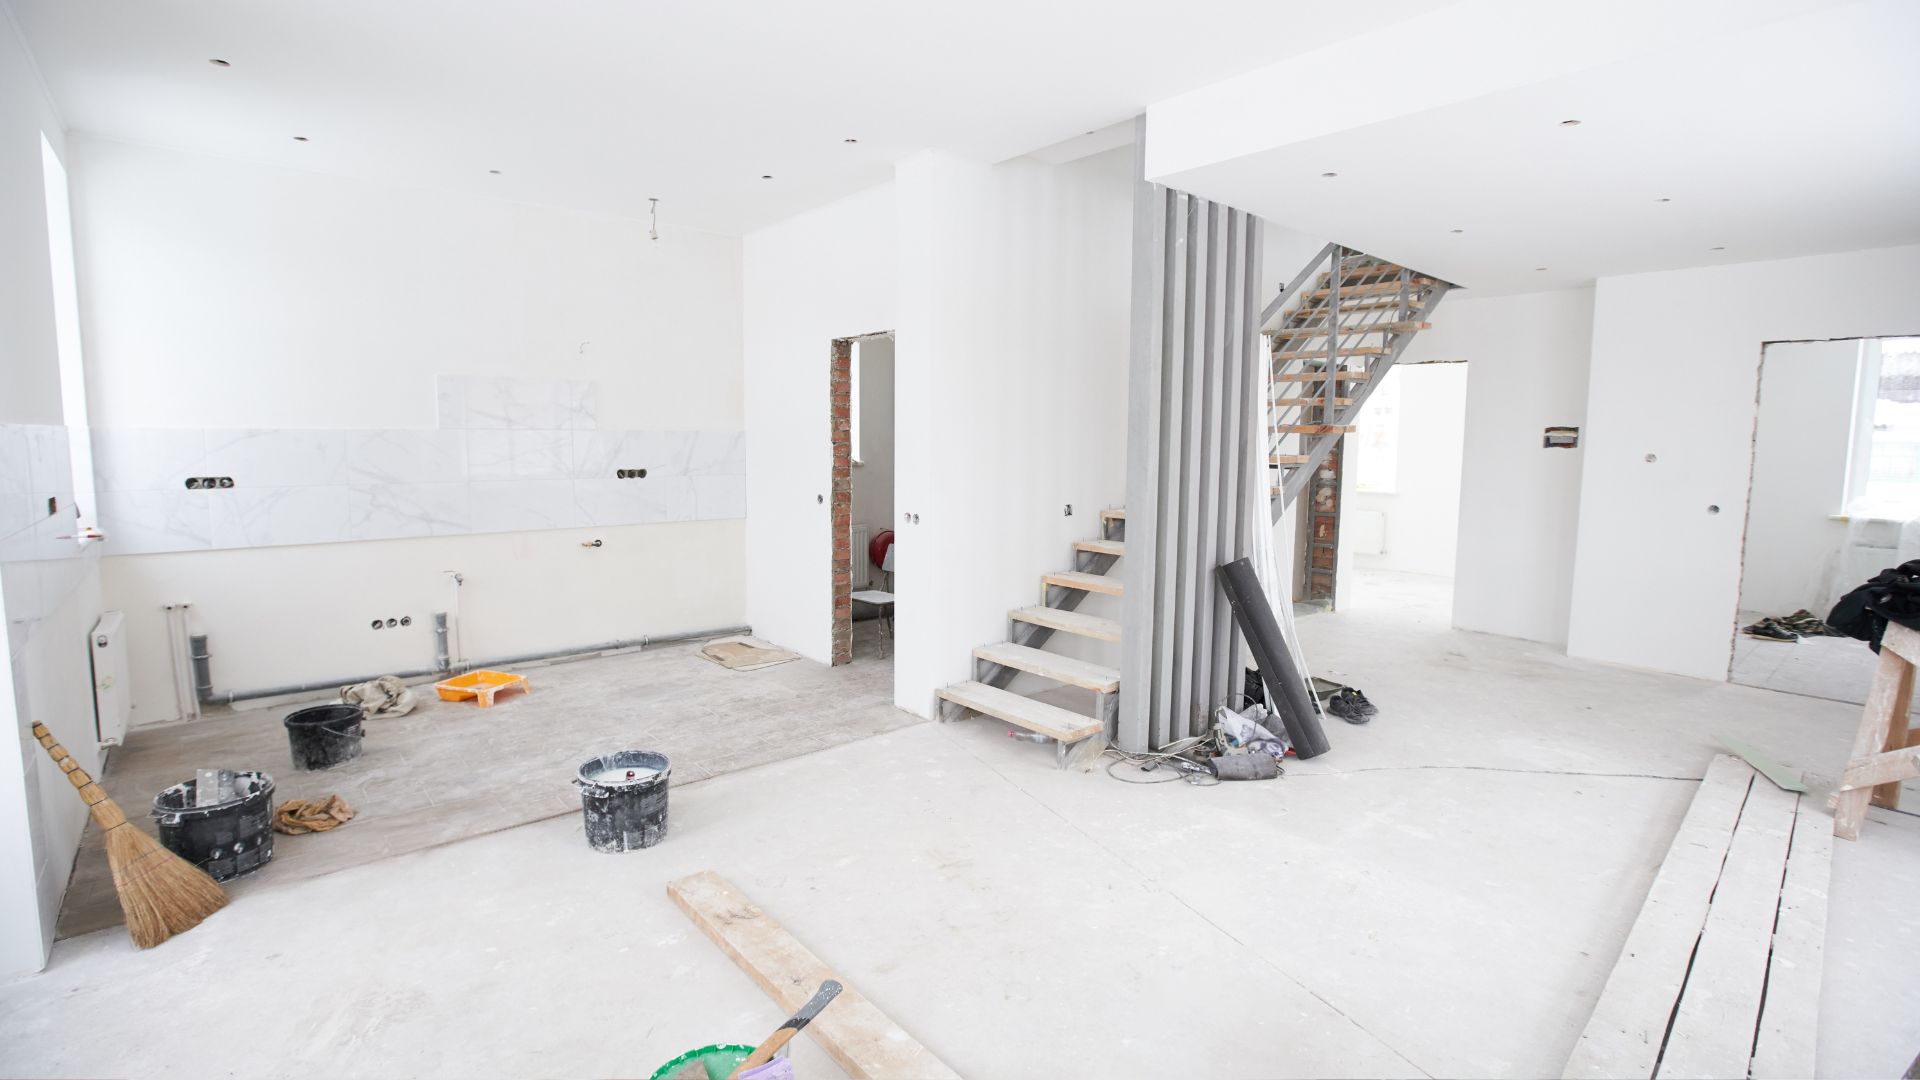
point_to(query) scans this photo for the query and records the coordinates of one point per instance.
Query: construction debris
(297, 816)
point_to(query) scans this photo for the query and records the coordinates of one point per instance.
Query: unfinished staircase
(1330, 343)
(1076, 737)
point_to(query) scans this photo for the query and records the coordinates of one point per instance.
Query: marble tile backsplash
(41, 563)
(322, 486)
(508, 455)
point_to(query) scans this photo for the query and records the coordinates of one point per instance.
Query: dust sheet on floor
(743, 653)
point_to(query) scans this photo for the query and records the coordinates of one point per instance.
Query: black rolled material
(323, 736)
(1255, 617)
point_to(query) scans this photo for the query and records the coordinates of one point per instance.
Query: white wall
(1675, 359)
(825, 274)
(1422, 513)
(873, 473)
(1527, 359)
(283, 326)
(49, 587)
(1010, 375)
(1801, 443)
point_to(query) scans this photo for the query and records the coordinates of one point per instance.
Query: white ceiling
(1793, 137)
(598, 104)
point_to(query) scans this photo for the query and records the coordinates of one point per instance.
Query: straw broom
(161, 893)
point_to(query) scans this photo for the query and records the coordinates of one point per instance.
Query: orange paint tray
(479, 684)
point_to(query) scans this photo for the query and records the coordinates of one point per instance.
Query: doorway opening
(1379, 522)
(862, 387)
(1833, 498)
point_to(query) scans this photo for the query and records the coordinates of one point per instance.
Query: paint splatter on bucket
(623, 797)
(226, 839)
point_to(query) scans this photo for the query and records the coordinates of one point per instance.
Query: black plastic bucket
(227, 839)
(324, 736)
(624, 798)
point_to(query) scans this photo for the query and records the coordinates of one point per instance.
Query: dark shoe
(1771, 629)
(1806, 624)
(1350, 705)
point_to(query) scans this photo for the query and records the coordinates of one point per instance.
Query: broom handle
(106, 813)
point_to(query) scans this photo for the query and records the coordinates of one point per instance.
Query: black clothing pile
(1893, 595)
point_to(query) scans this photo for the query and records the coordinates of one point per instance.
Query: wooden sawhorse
(1886, 751)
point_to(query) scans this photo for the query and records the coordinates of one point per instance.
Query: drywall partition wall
(1010, 380)
(1421, 507)
(825, 274)
(1802, 440)
(49, 585)
(873, 461)
(1663, 495)
(402, 383)
(1526, 359)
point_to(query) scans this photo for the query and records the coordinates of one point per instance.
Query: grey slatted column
(1193, 492)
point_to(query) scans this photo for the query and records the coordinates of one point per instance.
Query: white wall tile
(16, 480)
(524, 505)
(146, 459)
(139, 522)
(389, 511)
(635, 502)
(716, 497)
(597, 455)
(49, 458)
(499, 404)
(519, 455)
(719, 453)
(406, 457)
(264, 517)
(272, 458)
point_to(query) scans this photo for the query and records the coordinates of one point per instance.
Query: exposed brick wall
(840, 376)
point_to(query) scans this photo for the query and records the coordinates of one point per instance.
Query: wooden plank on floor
(858, 1036)
(1629, 1022)
(1788, 1024)
(1714, 1027)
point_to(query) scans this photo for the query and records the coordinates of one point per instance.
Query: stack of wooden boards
(1720, 975)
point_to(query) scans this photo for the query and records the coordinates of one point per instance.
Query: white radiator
(862, 566)
(108, 649)
(1366, 531)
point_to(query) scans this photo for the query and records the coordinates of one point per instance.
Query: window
(66, 316)
(853, 403)
(1883, 475)
(1375, 460)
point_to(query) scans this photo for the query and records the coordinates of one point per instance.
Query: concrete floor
(1835, 668)
(451, 770)
(1442, 895)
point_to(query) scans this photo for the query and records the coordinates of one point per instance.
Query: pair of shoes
(1351, 705)
(1770, 629)
(1806, 624)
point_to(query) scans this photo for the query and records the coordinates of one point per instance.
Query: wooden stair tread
(1069, 622)
(1074, 579)
(1346, 331)
(1061, 669)
(1114, 515)
(1101, 547)
(1307, 402)
(1021, 711)
(1370, 289)
(1287, 459)
(1321, 354)
(1320, 376)
(1312, 429)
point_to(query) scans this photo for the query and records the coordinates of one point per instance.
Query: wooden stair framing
(1336, 328)
(1077, 738)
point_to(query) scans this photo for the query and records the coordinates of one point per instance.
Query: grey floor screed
(1441, 895)
(452, 770)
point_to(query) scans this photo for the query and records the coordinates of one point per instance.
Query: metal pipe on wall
(203, 672)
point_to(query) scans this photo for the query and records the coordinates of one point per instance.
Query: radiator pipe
(203, 678)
